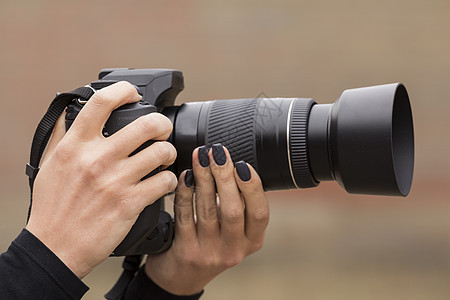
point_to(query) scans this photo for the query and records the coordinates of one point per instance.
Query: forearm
(29, 270)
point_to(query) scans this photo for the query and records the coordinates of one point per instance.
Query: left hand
(221, 234)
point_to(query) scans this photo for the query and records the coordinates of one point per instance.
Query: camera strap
(130, 266)
(44, 131)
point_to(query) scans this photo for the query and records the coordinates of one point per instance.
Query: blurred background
(321, 243)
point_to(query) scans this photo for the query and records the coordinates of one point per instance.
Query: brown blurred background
(321, 243)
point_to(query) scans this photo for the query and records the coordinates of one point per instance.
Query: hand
(220, 235)
(88, 192)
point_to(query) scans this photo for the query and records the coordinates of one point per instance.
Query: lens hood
(372, 140)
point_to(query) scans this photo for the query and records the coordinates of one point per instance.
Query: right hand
(88, 192)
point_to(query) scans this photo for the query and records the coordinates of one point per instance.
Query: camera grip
(148, 219)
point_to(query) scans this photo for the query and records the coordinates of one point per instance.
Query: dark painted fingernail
(189, 178)
(203, 156)
(219, 154)
(243, 171)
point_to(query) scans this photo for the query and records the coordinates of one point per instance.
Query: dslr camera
(364, 140)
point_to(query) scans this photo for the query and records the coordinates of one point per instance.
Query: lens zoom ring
(231, 124)
(298, 143)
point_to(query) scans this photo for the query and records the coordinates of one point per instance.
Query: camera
(364, 140)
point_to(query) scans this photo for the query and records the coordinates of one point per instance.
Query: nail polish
(189, 178)
(243, 171)
(219, 154)
(203, 156)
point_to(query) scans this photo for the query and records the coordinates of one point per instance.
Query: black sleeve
(29, 270)
(142, 287)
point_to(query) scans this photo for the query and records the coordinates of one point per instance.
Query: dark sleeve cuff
(49, 275)
(142, 287)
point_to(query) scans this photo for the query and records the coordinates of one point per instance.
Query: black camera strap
(41, 137)
(130, 266)
(45, 128)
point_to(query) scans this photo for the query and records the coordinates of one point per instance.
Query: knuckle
(182, 200)
(164, 151)
(211, 261)
(126, 85)
(233, 260)
(107, 94)
(261, 216)
(234, 215)
(64, 151)
(109, 192)
(156, 124)
(91, 168)
(127, 88)
(169, 180)
(147, 125)
(224, 176)
(161, 151)
(123, 207)
(184, 217)
(98, 99)
(208, 213)
(164, 123)
(172, 152)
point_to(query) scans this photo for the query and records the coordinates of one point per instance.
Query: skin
(220, 236)
(88, 194)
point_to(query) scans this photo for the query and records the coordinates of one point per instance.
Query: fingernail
(203, 156)
(189, 178)
(243, 171)
(219, 154)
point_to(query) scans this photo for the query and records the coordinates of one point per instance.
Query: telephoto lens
(364, 141)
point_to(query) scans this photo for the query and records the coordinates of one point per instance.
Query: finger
(184, 208)
(154, 126)
(205, 195)
(95, 113)
(148, 159)
(146, 192)
(256, 204)
(231, 205)
(56, 137)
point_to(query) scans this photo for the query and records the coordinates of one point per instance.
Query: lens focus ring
(298, 143)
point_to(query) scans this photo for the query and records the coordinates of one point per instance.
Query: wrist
(77, 265)
(176, 285)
